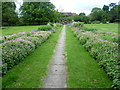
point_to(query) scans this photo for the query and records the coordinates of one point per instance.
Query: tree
(84, 18)
(35, 13)
(9, 16)
(114, 14)
(96, 9)
(98, 15)
(105, 8)
(75, 17)
(111, 5)
(82, 14)
(0, 14)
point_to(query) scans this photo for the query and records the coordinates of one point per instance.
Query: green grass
(112, 27)
(0, 83)
(31, 72)
(83, 70)
(15, 29)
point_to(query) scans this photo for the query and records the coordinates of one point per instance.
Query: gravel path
(56, 77)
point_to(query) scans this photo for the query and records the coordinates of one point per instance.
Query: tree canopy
(39, 13)
(9, 16)
(104, 14)
(105, 8)
(33, 13)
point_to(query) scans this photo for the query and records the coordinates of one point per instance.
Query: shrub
(88, 29)
(77, 24)
(58, 24)
(34, 40)
(113, 37)
(50, 24)
(14, 51)
(44, 28)
(12, 37)
(96, 22)
(104, 51)
(2, 39)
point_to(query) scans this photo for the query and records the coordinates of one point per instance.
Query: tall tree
(96, 9)
(82, 14)
(75, 17)
(114, 14)
(98, 15)
(0, 14)
(38, 12)
(105, 8)
(84, 18)
(111, 5)
(9, 16)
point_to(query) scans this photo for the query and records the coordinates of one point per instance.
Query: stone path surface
(56, 77)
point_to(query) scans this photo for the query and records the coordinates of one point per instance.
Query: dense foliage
(35, 13)
(9, 16)
(103, 46)
(17, 46)
(77, 24)
(45, 27)
(99, 15)
(106, 14)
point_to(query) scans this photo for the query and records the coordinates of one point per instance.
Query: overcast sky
(78, 6)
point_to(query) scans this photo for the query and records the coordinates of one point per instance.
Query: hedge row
(11, 37)
(113, 37)
(45, 27)
(17, 48)
(105, 53)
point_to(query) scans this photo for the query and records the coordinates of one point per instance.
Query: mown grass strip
(112, 27)
(83, 70)
(15, 29)
(31, 71)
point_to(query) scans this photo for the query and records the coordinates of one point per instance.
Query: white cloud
(78, 6)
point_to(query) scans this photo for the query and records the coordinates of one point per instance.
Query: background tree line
(37, 13)
(106, 14)
(31, 13)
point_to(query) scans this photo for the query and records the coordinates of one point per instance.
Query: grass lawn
(83, 70)
(112, 27)
(15, 29)
(31, 72)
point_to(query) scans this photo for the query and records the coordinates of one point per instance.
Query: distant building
(68, 14)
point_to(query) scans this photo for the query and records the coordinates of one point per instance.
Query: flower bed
(12, 37)
(15, 49)
(113, 37)
(103, 47)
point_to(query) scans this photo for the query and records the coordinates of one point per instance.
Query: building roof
(68, 13)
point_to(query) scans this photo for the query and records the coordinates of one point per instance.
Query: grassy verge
(15, 29)
(83, 70)
(112, 27)
(31, 72)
